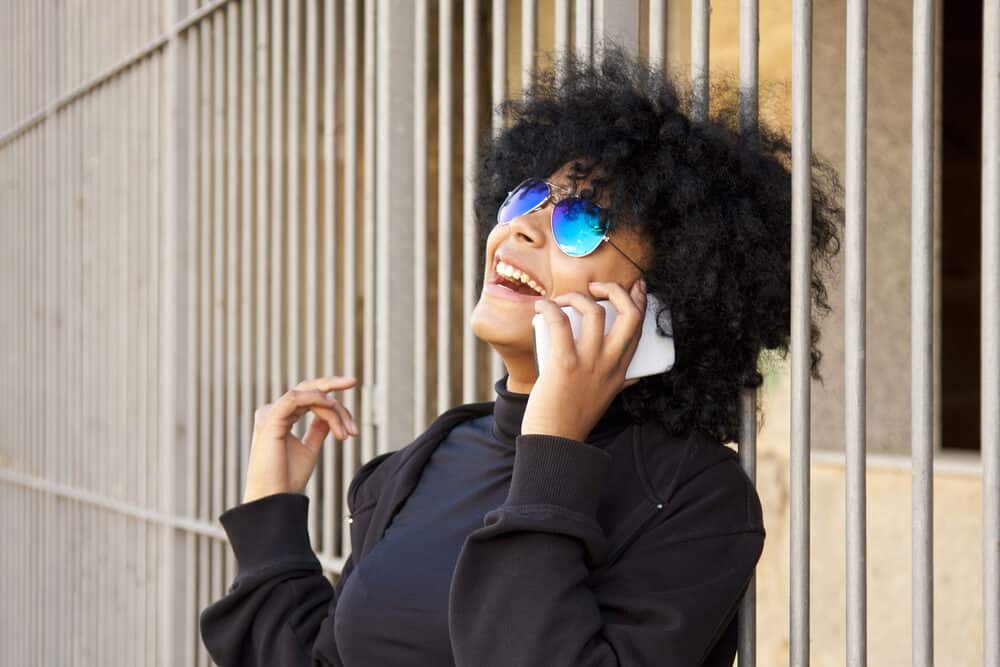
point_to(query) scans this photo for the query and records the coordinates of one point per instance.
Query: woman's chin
(499, 330)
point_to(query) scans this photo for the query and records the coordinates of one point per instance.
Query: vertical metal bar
(420, 159)
(61, 160)
(856, 128)
(20, 542)
(311, 246)
(499, 93)
(219, 426)
(70, 261)
(584, 30)
(470, 236)
(371, 402)
(348, 312)
(82, 611)
(190, 462)
(91, 300)
(131, 342)
(329, 221)
(145, 372)
(529, 41)
(154, 332)
(142, 364)
(100, 348)
(75, 345)
(990, 335)
(278, 139)
(294, 203)
(658, 34)
(921, 331)
(264, 218)
(37, 297)
(231, 234)
(394, 184)
(445, 24)
(618, 21)
(246, 220)
(700, 10)
(28, 179)
(749, 39)
(562, 21)
(801, 234)
(116, 259)
(204, 35)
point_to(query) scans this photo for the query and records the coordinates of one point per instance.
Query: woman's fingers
(563, 348)
(333, 419)
(592, 330)
(295, 403)
(328, 384)
(318, 429)
(624, 335)
(338, 417)
(345, 415)
(278, 460)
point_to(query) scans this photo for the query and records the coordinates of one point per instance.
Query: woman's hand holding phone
(582, 376)
(279, 461)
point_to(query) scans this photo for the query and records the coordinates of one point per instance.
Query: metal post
(444, 253)
(348, 312)
(394, 188)
(921, 332)
(470, 235)
(499, 93)
(801, 235)
(856, 128)
(749, 38)
(990, 335)
(421, 72)
(700, 10)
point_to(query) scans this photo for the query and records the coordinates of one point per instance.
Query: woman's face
(503, 318)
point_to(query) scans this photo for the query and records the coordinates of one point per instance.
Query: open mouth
(516, 280)
(516, 285)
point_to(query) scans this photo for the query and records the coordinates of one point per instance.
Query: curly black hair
(714, 202)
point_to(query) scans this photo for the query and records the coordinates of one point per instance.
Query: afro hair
(714, 202)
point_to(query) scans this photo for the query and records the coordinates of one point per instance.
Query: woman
(578, 519)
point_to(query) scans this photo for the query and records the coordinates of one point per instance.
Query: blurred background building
(203, 203)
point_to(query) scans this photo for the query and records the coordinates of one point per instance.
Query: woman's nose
(528, 227)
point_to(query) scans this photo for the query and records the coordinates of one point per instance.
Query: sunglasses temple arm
(641, 270)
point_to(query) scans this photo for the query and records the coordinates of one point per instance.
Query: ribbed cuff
(269, 530)
(552, 470)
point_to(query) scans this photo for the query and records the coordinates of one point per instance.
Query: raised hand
(279, 461)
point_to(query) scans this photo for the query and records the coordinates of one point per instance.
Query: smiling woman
(578, 519)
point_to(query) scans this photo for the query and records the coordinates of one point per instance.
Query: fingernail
(642, 284)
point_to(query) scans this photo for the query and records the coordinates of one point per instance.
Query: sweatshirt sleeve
(279, 608)
(522, 591)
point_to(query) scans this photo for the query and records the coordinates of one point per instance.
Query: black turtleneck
(394, 608)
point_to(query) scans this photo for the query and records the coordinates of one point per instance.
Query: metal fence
(195, 204)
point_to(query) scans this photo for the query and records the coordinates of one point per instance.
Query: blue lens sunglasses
(578, 225)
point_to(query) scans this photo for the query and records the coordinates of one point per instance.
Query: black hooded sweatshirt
(632, 547)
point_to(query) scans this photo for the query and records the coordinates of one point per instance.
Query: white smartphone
(654, 354)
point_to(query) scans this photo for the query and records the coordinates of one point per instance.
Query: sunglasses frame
(550, 198)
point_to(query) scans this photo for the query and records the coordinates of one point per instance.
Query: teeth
(510, 272)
